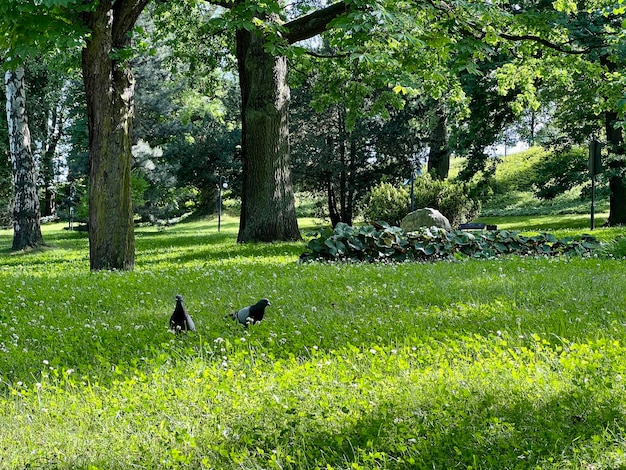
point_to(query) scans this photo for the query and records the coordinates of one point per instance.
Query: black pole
(219, 207)
(593, 201)
(413, 189)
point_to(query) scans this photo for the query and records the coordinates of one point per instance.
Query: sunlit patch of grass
(577, 222)
(511, 363)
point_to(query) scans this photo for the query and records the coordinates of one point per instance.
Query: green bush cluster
(560, 171)
(387, 202)
(451, 198)
(390, 203)
(382, 242)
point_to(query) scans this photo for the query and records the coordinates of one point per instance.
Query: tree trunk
(47, 162)
(333, 213)
(349, 210)
(109, 87)
(439, 159)
(617, 202)
(268, 211)
(617, 199)
(26, 211)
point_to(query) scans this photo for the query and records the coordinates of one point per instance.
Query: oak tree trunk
(617, 199)
(439, 158)
(26, 210)
(109, 87)
(268, 203)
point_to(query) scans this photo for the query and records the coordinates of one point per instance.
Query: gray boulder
(426, 217)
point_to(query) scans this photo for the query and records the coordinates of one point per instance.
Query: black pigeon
(251, 314)
(180, 319)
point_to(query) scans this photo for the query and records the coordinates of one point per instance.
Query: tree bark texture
(109, 86)
(26, 210)
(439, 159)
(46, 170)
(617, 199)
(268, 203)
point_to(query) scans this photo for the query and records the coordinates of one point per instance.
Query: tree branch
(314, 23)
(545, 42)
(125, 14)
(327, 56)
(228, 4)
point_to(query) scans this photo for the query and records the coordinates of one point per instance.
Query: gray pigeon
(251, 314)
(180, 319)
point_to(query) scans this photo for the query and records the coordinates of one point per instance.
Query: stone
(426, 217)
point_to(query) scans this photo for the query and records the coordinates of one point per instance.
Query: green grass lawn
(501, 364)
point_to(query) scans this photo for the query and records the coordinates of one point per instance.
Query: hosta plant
(381, 242)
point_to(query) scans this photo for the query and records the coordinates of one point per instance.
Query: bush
(450, 198)
(386, 202)
(560, 171)
(615, 248)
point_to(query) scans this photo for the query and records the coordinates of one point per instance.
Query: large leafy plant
(382, 242)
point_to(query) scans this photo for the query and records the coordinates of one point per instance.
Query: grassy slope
(490, 364)
(514, 197)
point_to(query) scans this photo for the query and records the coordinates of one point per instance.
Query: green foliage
(381, 242)
(560, 171)
(451, 198)
(615, 248)
(513, 188)
(387, 202)
(518, 172)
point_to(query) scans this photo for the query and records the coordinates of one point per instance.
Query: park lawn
(575, 222)
(511, 363)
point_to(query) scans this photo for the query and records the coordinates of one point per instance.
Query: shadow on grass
(479, 428)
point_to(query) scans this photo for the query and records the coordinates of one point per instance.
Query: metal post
(222, 184)
(412, 189)
(219, 208)
(593, 201)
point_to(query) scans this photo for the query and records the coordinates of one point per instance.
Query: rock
(426, 217)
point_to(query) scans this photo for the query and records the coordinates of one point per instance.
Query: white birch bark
(26, 211)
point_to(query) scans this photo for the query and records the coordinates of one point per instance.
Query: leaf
(501, 247)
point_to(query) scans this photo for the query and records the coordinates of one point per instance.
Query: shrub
(560, 171)
(381, 242)
(450, 198)
(387, 202)
(615, 248)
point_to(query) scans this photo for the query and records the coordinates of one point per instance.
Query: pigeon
(180, 319)
(251, 314)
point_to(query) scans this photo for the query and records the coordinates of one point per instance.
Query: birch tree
(102, 29)
(26, 211)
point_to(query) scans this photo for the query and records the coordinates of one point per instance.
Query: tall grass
(513, 363)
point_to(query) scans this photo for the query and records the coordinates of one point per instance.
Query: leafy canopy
(35, 27)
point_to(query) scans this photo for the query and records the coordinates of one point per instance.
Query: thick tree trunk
(109, 87)
(617, 201)
(268, 209)
(439, 159)
(26, 211)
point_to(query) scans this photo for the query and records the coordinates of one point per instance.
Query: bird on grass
(180, 319)
(252, 313)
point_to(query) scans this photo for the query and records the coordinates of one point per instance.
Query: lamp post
(223, 184)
